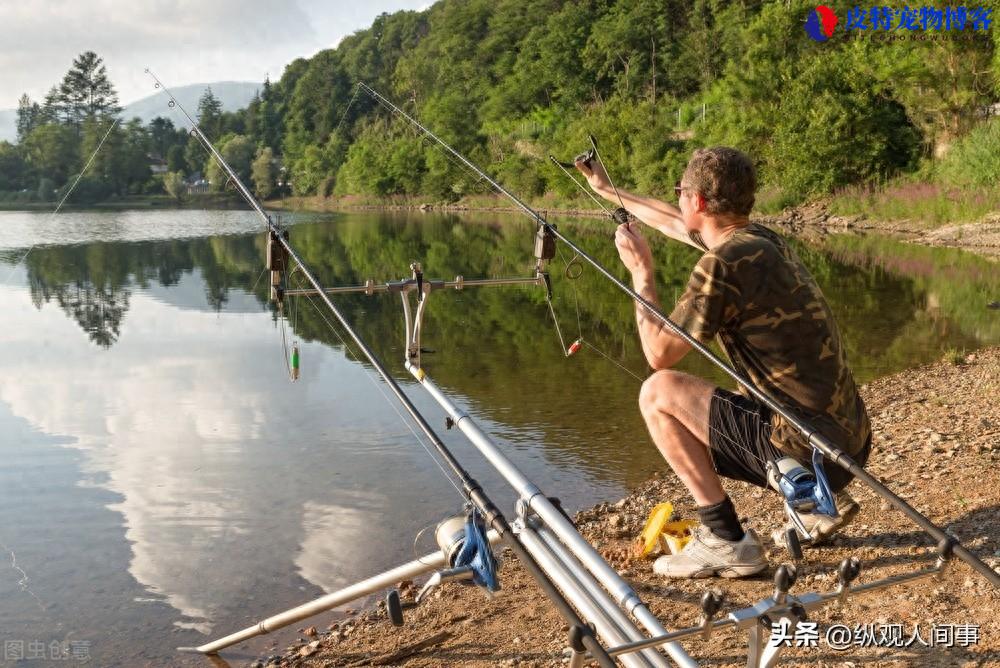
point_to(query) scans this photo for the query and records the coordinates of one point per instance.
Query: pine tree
(29, 115)
(210, 114)
(86, 92)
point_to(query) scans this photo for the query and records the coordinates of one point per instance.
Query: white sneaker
(821, 527)
(707, 555)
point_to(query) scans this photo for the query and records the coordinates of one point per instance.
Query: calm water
(163, 483)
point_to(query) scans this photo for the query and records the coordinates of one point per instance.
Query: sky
(182, 41)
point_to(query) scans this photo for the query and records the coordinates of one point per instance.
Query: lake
(164, 483)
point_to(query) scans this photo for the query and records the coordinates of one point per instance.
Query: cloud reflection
(232, 480)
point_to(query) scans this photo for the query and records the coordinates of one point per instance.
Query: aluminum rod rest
(553, 518)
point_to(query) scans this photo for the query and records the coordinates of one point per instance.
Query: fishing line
(346, 109)
(263, 271)
(391, 403)
(65, 197)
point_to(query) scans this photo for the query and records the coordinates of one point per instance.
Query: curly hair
(725, 178)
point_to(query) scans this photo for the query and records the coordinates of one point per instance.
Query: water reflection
(146, 377)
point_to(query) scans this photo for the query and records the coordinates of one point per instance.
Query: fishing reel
(804, 491)
(468, 554)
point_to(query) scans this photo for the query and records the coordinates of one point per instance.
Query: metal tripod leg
(759, 653)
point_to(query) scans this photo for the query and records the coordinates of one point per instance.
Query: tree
(210, 114)
(86, 92)
(264, 173)
(52, 151)
(175, 158)
(132, 163)
(238, 153)
(173, 183)
(13, 170)
(162, 135)
(29, 115)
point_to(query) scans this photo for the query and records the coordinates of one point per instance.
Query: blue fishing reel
(468, 554)
(804, 491)
(477, 554)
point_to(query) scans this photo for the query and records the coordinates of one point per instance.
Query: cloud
(184, 41)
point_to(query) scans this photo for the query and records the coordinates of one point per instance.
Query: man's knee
(659, 392)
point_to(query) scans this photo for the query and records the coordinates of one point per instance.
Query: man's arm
(662, 348)
(659, 215)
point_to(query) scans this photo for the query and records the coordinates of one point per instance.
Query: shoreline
(807, 221)
(935, 429)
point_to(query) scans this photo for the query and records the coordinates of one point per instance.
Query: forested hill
(510, 81)
(891, 90)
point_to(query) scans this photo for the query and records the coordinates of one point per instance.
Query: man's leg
(676, 407)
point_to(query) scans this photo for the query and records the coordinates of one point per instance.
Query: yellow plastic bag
(670, 536)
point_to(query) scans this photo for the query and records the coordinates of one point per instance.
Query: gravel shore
(937, 444)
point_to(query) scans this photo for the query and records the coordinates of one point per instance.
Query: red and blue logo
(820, 23)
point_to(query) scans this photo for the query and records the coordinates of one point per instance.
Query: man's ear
(699, 202)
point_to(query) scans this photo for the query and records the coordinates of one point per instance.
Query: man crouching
(751, 292)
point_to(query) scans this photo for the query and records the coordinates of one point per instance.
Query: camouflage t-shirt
(777, 329)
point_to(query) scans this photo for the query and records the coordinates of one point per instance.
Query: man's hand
(634, 250)
(596, 175)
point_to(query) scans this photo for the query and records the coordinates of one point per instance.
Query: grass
(927, 203)
(954, 356)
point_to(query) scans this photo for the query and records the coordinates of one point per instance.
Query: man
(750, 290)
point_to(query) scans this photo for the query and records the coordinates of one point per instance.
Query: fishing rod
(948, 545)
(581, 637)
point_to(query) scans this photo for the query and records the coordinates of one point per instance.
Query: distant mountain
(234, 95)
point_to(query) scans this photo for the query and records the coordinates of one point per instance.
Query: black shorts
(739, 439)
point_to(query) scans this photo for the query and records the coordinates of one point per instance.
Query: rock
(311, 632)
(309, 649)
(615, 521)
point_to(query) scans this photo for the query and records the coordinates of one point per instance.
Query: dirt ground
(937, 444)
